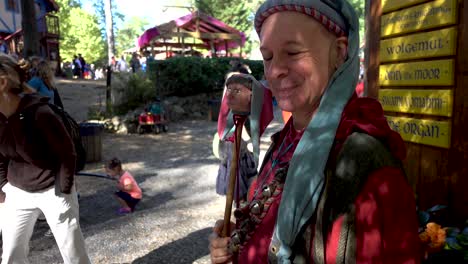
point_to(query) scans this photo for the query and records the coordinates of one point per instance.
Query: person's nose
(276, 68)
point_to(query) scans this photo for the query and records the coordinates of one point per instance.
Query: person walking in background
(237, 66)
(122, 65)
(43, 83)
(83, 65)
(135, 62)
(129, 193)
(3, 47)
(77, 67)
(37, 165)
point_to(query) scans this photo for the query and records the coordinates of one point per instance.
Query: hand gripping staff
(239, 121)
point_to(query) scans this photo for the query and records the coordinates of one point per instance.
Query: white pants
(1, 217)
(20, 212)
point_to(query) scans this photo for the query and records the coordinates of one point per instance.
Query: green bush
(134, 90)
(184, 76)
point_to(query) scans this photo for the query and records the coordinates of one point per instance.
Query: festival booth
(189, 35)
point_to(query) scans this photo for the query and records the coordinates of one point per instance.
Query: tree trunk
(109, 30)
(29, 25)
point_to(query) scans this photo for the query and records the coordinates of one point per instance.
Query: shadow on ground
(194, 246)
(99, 208)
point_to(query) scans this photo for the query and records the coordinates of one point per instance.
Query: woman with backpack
(36, 171)
(43, 82)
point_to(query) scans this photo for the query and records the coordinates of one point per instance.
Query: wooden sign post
(418, 69)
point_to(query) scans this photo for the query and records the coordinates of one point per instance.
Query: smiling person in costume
(331, 188)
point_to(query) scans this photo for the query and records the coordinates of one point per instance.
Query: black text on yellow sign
(423, 73)
(422, 131)
(428, 102)
(421, 17)
(390, 5)
(417, 46)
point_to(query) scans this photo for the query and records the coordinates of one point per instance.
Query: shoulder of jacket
(366, 152)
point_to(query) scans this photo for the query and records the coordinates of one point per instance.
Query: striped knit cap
(325, 12)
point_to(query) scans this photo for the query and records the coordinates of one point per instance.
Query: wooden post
(418, 69)
(240, 49)
(178, 37)
(183, 47)
(226, 47)
(109, 90)
(371, 58)
(458, 155)
(213, 50)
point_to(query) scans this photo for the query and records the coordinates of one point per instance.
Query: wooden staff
(239, 123)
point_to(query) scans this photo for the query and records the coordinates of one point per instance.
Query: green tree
(99, 8)
(109, 30)
(237, 14)
(129, 32)
(234, 13)
(79, 33)
(359, 7)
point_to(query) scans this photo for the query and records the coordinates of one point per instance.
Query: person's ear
(341, 46)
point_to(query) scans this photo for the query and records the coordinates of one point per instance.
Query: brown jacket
(34, 154)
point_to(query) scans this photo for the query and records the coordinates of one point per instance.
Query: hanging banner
(427, 132)
(433, 14)
(422, 73)
(428, 102)
(424, 45)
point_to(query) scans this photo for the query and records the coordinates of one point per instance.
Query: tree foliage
(80, 33)
(101, 14)
(237, 14)
(129, 32)
(359, 7)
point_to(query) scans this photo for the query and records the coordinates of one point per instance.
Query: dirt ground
(177, 173)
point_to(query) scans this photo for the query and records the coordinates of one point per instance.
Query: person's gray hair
(241, 79)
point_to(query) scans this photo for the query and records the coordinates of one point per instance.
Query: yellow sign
(429, 102)
(422, 73)
(424, 45)
(433, 14)
(427, 132)
(390, 5)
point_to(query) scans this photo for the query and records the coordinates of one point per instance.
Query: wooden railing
(48, 25)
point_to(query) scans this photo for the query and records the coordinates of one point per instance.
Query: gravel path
(177, 173)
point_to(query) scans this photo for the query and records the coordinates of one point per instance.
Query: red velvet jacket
(385, 211)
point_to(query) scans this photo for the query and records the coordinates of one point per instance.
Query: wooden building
(47, 25)
(418, 69)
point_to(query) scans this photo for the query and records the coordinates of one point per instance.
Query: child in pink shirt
(129, 193)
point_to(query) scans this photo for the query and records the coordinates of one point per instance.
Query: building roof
(51, 5)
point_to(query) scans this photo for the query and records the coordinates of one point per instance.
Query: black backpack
(73, 130)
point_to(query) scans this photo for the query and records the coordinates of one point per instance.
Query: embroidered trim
(319, 17)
